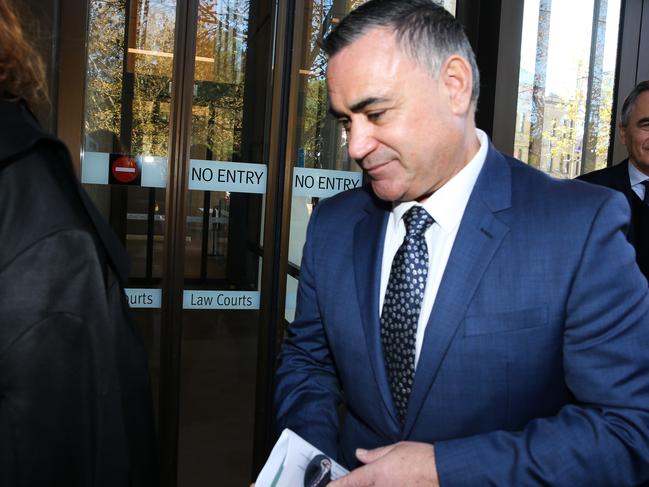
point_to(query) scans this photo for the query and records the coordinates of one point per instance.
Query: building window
(567, 70)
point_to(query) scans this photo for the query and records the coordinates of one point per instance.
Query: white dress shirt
(446, 206)
(636, 177)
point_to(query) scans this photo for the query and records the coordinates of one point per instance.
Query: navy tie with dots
(646, 191)
(402, 304)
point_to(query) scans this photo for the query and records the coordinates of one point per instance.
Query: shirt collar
(635, 175)
(447, 204)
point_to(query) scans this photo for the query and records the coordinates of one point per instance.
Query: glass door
(125, 142)
(226, 188)
(175, 155)
(566, 85)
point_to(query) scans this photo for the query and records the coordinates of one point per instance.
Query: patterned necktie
(402, 304)
(646, 191)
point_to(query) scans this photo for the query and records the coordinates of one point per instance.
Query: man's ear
(622, 129)
(457, 77)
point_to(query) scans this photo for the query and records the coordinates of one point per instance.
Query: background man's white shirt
(636, 177)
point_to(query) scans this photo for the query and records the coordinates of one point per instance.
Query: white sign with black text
(322, 183)
(235, 177)
(194, 299)
(144, 298)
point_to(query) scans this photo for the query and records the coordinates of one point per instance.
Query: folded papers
(293, 457)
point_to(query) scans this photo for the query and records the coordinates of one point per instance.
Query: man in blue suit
(463, 308)
(631, 176)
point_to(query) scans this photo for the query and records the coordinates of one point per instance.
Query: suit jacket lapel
(620, 181)
(369, 235)
(479, 236)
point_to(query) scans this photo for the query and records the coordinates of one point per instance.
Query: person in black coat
(75, 396)
(631, 176)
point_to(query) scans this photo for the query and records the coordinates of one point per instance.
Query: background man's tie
(646, 191)
(402, 304)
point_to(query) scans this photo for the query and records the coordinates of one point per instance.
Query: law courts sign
(144, 298)
(195, 299)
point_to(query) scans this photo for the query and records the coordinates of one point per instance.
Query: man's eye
(375, 116)
(345, 123)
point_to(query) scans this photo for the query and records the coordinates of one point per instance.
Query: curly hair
(22, 75)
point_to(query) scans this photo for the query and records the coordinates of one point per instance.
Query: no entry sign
(124, 169)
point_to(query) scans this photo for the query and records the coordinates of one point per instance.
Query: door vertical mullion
(273, 284)
(174, 250)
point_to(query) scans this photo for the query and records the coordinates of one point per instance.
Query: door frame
(72, 37)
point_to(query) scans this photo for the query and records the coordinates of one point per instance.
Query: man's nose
(361, 140)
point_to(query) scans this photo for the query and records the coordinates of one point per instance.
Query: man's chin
(383, 192)
(387, 192)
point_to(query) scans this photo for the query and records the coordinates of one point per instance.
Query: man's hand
(406, 463)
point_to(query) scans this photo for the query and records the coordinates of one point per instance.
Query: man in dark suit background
(631, 176)
(459, 306)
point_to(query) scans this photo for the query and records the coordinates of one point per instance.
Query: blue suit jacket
(535, 362)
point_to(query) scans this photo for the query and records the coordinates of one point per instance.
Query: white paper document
(288, 462)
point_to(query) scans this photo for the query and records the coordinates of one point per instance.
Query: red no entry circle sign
(124, 169)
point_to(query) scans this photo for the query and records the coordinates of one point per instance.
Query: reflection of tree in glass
(143, 95)
(104, 71)
(569, 135)
(320, 139)
(221, 46)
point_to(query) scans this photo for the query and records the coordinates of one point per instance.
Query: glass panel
(223, 257)
(319, 140)
(566, 85)
(125, 140)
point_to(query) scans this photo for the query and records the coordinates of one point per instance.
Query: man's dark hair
(426, 32)
(627, 106)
